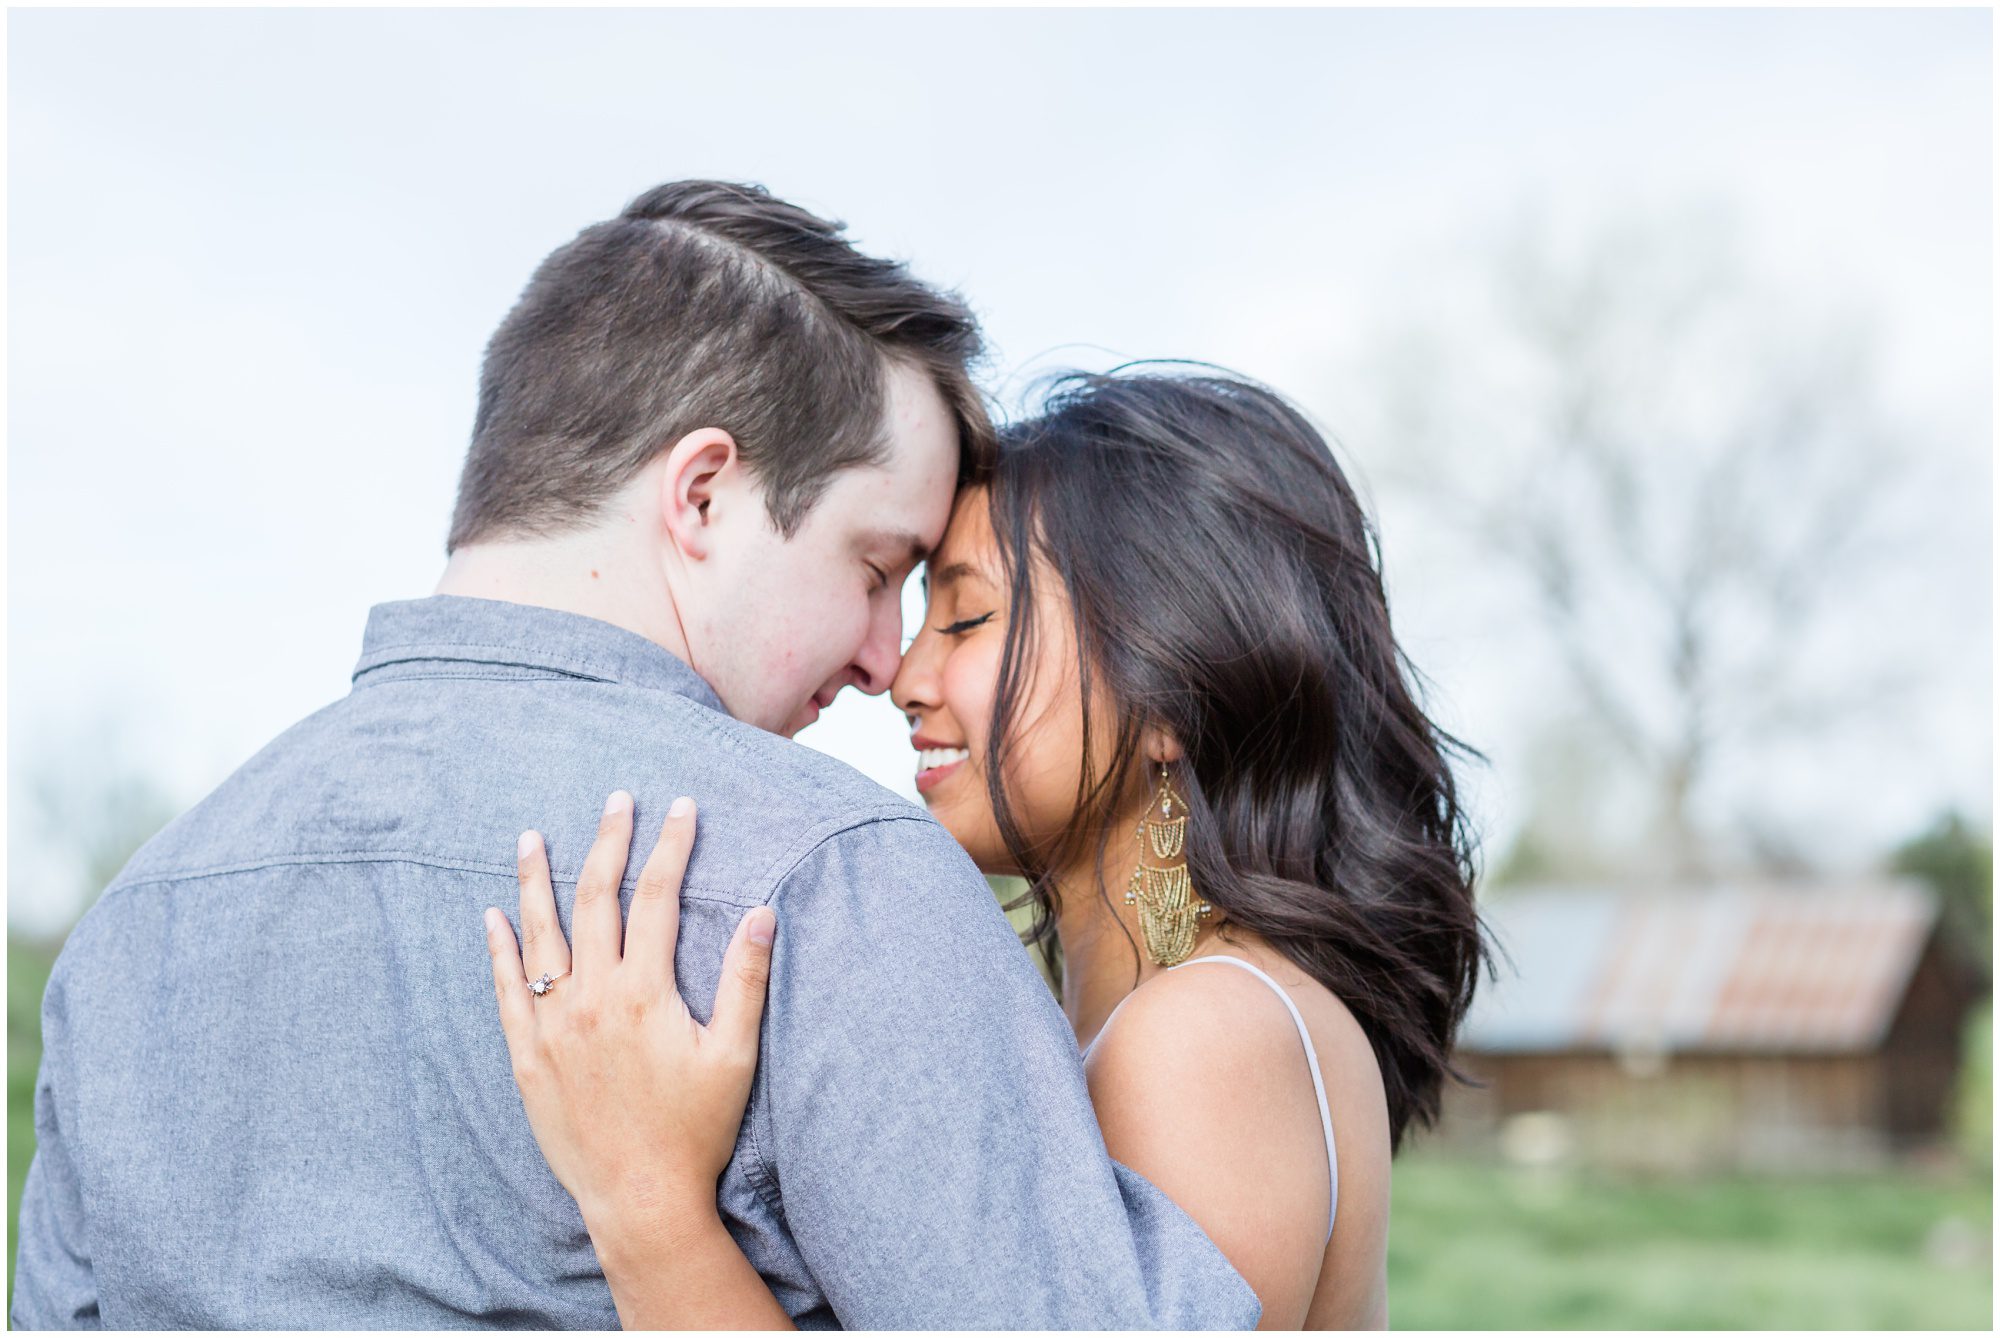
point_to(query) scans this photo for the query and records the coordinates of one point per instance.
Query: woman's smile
(935, 762)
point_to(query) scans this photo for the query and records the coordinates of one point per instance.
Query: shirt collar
(492, 631)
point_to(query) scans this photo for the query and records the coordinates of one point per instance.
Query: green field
(1473, 1245)
(1477, 1246)
(27, 973)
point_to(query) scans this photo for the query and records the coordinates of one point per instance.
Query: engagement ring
(540, 984)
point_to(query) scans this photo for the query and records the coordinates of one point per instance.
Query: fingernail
(763, 925)
(617, 803)
(680, 807)
(492, 918)
(526, 845)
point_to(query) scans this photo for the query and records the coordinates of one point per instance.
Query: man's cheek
(841, 632)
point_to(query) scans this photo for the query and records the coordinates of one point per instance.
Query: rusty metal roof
(1739, 967)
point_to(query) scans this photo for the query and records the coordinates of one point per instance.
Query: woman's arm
(923, 1116)
(612, 1034)
(699, 1281)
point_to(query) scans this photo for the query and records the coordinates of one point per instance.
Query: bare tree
(1688, 473)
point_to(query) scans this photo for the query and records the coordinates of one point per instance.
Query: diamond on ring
(540, 985)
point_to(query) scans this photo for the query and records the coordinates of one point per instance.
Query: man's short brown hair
(704, 304)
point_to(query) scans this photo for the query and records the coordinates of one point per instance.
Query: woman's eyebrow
(951, 572)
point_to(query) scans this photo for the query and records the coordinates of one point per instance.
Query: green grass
(1478, 1246)
(27, 974)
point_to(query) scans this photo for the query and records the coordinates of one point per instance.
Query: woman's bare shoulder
(1201, 1086)
(1220, 1017)
(1206, 1056)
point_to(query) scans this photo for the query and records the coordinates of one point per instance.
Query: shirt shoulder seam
(822, 832)
(496, 870)
(776, 873)
(405, 652)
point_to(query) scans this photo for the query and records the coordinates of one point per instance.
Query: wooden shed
(1728, 1025)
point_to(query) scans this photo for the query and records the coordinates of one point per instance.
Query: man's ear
(699, 467)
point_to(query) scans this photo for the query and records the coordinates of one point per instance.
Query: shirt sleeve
(54, 1284)
(924, 1123)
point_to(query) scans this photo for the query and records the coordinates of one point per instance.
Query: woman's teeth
(940, 757)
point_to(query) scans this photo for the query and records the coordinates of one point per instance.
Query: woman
(1156, 679)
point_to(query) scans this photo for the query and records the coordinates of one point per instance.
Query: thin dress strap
(1312, 1062)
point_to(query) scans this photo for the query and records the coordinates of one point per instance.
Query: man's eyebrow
(891, 540)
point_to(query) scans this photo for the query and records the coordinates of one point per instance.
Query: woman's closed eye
(964, 624)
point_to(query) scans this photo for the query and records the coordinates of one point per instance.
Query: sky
(254, 256)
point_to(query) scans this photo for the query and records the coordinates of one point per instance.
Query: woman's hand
(635, 1104)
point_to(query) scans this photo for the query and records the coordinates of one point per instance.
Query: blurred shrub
(1972, 1112)
(1957, 861)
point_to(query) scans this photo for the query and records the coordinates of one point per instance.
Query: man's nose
(881, 654)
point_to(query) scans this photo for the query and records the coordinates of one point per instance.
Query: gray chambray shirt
(275, 1092)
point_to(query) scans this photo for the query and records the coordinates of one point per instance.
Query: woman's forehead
(968, 547)
(971, 533)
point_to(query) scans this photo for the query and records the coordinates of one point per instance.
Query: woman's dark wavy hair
(1224, 582)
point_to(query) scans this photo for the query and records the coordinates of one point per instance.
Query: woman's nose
(915, 688)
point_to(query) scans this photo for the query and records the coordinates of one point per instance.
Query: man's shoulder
(451, 772)
(796, 775)
(794, 805)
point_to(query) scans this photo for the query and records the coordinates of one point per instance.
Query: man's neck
(585, 573)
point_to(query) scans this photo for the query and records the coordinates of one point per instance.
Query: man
(712, 440)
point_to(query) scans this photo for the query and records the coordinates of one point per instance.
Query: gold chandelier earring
(1170, 914)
